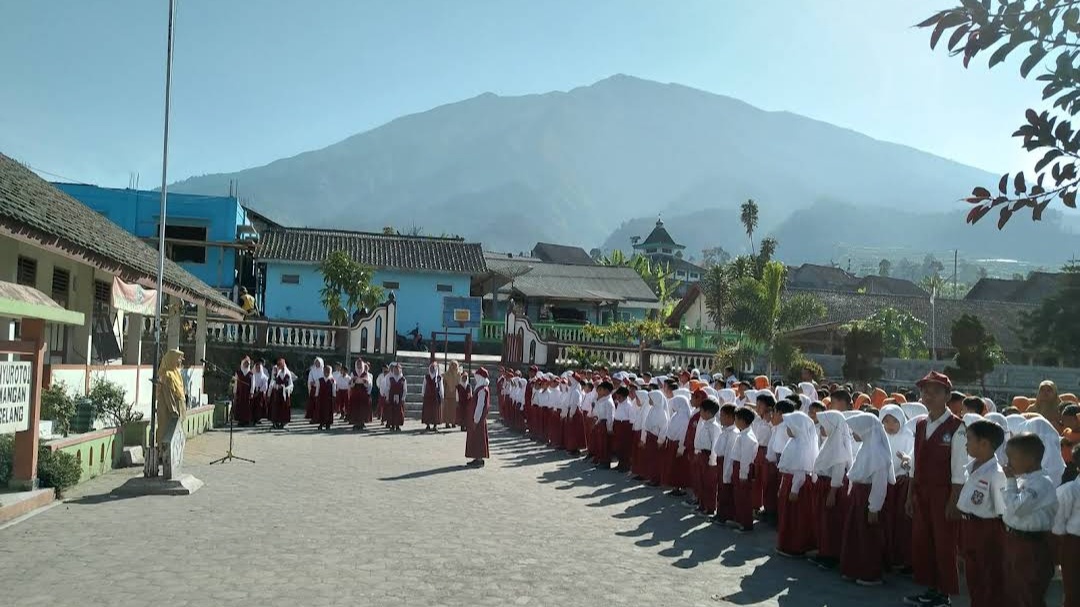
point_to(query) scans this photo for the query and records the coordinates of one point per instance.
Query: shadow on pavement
(426, 473)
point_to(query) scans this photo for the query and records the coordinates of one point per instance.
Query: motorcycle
(413, 340)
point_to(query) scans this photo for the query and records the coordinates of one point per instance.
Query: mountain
(570, 167)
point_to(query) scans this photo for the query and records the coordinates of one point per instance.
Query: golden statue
(171, 399)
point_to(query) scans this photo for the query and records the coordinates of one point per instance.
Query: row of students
(863, 492)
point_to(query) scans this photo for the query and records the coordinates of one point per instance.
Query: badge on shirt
(977, 497)
(946, 438)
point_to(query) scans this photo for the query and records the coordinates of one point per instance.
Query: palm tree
(763, 315)
(749, 218)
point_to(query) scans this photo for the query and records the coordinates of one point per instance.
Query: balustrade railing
(258, 333)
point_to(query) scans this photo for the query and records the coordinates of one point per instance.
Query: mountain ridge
(580, 162)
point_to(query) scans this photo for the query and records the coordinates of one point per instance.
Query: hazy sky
(258, 80)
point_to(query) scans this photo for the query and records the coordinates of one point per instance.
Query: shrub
(58, 405)
(794, 374)
(111, 405)
(7, 457)
(585, 359)
(58, 470)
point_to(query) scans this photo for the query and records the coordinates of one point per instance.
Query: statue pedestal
(183, 484)
(172, 481)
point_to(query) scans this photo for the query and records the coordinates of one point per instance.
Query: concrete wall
(418, 300)
(135, 380)
(137, 212)
(1006, 379)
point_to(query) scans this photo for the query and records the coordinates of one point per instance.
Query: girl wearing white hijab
(739, 468)
(637, 419)
(315, 373)
(830, 489)
(795, 532)
(654, 433)
(574, 437)
(676, 466)
(896, 521)
(260, 384)
(1052, 461)
(871, 474)
(1000, 420)
(281, 387)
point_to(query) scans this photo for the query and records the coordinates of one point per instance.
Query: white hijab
(802, 449)
(259, 380)
(913, 410)
(315, 372)
(809, 390)
(904, 440)
(680, 420)
(656, 419)
(726, 396)
(1000, 420)
(875, 453)
(838, 442)
(1051, 461)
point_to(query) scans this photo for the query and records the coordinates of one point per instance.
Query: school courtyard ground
(379, 519)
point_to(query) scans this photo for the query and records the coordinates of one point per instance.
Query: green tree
(933, 283)
(902, 335)
(1048, 33)
(862, 353)
(884, 267)
(977, 351)
(748, 215)
(765, 255)
(761, 312)
(641, 333)
(657, 275)
(1053, 329)
(714, 256)
(716, 289)
(347, 287)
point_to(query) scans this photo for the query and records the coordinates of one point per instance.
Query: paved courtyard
(378, 519)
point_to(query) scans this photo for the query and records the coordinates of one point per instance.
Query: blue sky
(258, 80)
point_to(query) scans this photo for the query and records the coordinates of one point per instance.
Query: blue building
(210, 236)
(420, 270)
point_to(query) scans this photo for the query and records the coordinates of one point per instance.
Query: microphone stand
(229, 456)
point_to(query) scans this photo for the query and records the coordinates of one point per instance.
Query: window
(102, 293)
(668, 251)
(444, 288)
(184, 252)
(625, 316)
(61, 280)
(695, 276)
(390, 284)
(26, 273)
(290, 279)
(679, 274)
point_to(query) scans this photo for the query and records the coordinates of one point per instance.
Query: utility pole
(955, 276)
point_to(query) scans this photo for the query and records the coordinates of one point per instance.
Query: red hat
(934, 377)
(482, 372)
(534, 368)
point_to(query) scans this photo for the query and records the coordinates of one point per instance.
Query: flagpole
(151, 469)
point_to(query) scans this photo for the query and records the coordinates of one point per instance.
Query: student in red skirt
(476, 439)
(830, 489)
(360, 396)
(771, 500)
(574, 433)
(260, 385)
(982, 502)
(557, 414)
(795, 530)
(697, 398)
(397, 389)
(862, 555)
(640, 412)
(241, 407)
(342, 383)
(739, 470)
(623, 433)
(725, 504)
(897, 524)
(324, 399)
(1030, 509)
(653, 434)
(708, 431)
(1067, 530)
(675, 472)
(763, 410)
(601, 437)
(431, 391)
(280, 399)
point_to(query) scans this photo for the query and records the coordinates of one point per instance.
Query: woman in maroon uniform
(281, 387)
(241, 407)
(360, 396)
(396, 389)
(431, 414)
(324, 399)
(476, 441)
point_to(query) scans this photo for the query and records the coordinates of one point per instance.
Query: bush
(7, 457)
(58, 470)
(111, 405)
(794, 374)
(585, 359)
(58, 405)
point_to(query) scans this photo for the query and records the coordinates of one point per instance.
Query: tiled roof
(1002, 319)
(1037, 287)
(813, 276)
(32, 207)
(557, 253)
(692, 293)
(572, 282)
(659, 236)
(451, 255)
(675, 264)
(885, 285)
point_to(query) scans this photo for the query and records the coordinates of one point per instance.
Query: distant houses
(661, 248)
(420, 270)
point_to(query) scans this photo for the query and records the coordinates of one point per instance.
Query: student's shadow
(425, 473)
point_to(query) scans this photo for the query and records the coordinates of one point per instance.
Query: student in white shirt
(1067, 528)
(1030, 508)
(863, 550)
(982, 503)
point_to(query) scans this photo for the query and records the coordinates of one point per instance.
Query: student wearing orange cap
(761, 382)
(877, 397)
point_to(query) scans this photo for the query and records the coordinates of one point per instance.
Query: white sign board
(15, 380)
